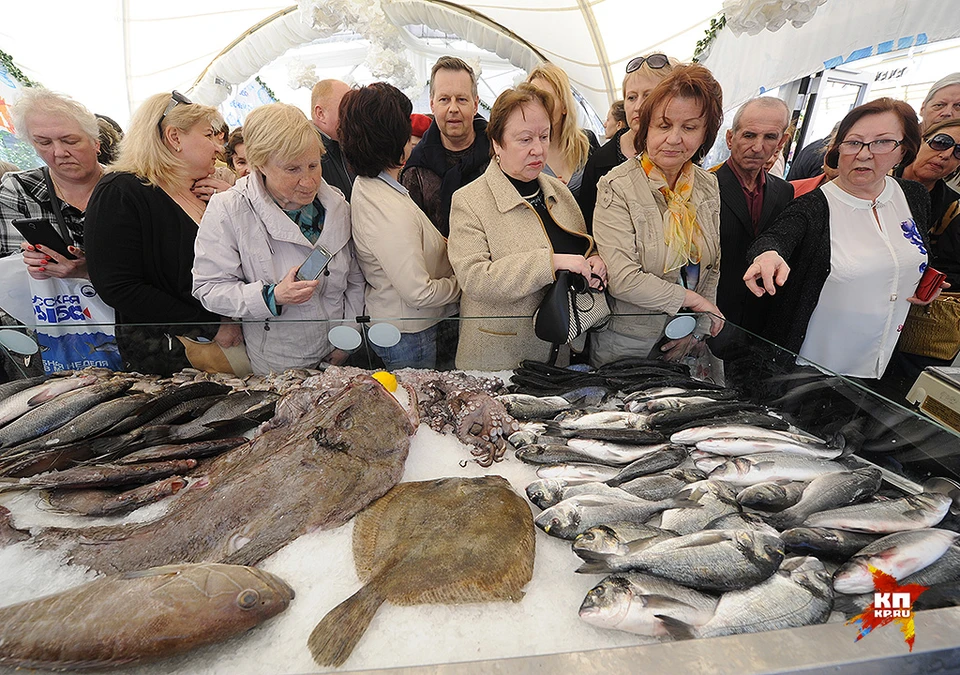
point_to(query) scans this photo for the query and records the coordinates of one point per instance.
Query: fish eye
(248, 598)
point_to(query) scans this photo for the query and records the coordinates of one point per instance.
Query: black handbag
(569, 309)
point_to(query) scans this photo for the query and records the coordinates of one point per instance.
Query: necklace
(187, 201)
(84, 198)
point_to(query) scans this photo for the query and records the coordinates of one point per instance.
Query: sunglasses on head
(175, 98)
(655, 61)
(941, 142)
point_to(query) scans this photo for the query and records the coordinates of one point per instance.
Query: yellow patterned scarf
(681, 232)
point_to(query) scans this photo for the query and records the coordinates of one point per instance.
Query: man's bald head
(325, 105)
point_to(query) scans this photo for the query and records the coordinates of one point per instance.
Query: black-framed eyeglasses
(655, 61)
(175, 98)
(941, 142)
(881, 146)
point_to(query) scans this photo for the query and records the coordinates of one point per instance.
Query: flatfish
(314, 473)
(446, 541)
(139, 616)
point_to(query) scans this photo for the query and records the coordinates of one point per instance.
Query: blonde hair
(143, 151)
(278, 130)
(322, 90)
(644, 69)
(574, 144)
(40, 100)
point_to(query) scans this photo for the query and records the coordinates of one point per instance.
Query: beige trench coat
(628, 228)
(503, 259)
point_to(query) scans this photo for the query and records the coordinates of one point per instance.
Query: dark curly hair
(374, 128)
(687, 81)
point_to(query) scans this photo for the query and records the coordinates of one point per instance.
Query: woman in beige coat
(510, 231)
(657, 222)
(403, 256)
(255, 236)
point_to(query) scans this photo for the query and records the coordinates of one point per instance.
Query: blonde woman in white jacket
(254, 237)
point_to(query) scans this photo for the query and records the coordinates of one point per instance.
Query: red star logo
(875, 616)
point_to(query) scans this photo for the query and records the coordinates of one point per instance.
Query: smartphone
(314, 265)
(40, 231)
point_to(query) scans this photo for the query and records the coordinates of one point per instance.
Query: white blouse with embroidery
(876, 260)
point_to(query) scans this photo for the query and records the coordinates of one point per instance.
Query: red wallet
(929, 283)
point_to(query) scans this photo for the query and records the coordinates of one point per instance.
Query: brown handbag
(933, 330)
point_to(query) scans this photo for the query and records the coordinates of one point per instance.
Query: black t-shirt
(561, 240)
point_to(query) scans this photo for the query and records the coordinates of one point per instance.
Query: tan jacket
(502, 256)
(628, 228)
(403, 258)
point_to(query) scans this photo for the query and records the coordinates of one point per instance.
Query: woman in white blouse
(854, 249)
(401, 253)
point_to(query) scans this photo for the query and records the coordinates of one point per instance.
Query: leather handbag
(933, 330)
(569, 309)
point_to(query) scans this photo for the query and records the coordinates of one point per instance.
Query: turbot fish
(447, 541)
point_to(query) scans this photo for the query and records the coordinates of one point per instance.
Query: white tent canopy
(112, 54)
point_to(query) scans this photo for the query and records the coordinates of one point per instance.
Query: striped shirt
(24, 194)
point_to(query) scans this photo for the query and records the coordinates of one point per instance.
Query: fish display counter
(702, 515)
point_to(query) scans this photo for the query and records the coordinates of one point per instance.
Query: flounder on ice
(316, 472)
(139, 616)
(446, 541)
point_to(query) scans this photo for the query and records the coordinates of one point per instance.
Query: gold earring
(497, 157)
(179, 148)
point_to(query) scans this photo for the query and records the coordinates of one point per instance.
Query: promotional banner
(74, 326)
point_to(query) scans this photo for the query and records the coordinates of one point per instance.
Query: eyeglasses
(175, 98)
(881, 146)
(942, 142)
(655, 61)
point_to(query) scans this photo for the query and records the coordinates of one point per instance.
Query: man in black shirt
(325, 112)
(454, 150)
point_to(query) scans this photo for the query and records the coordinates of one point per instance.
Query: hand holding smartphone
(39, 231)
(314, 265)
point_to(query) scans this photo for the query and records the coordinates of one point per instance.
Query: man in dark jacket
(454, 150)
(325, 113)
(750, 200)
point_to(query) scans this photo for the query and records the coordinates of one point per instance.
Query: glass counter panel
(910, 448)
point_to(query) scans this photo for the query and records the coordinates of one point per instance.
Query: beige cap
(952, 78)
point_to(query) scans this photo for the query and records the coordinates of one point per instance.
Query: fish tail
(335, 637)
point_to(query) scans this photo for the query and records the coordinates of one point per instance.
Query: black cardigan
(139, 247)
(801, 235)
(599, 165)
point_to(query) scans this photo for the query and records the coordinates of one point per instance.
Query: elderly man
(325, 112)
(942, 103)
(750, 200)
(454, 150)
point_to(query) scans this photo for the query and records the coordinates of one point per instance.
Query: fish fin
(917, 514)
(153, 572)
(764, 464)
(156, 435)
(594, 567)
(676, 628)
(679, 503)
(655, 601)
(337, 634)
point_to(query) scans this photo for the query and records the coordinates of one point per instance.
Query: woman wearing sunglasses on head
(657, 222)
(854, 249)
(643, 74)
(140, 229)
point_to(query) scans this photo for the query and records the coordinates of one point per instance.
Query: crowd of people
(203, 231)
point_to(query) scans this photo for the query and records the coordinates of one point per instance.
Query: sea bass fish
(739, 447)
(799, 594)
(825, 543)
(694, 435)
(899, 555)
(25, 400)
(547, 492)
(764, 467)
(355, 446)
(637, 603)
(909, 513)
(573, 474)
(715, 560)
(830, 491)
(576, 515)
(139, 616)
